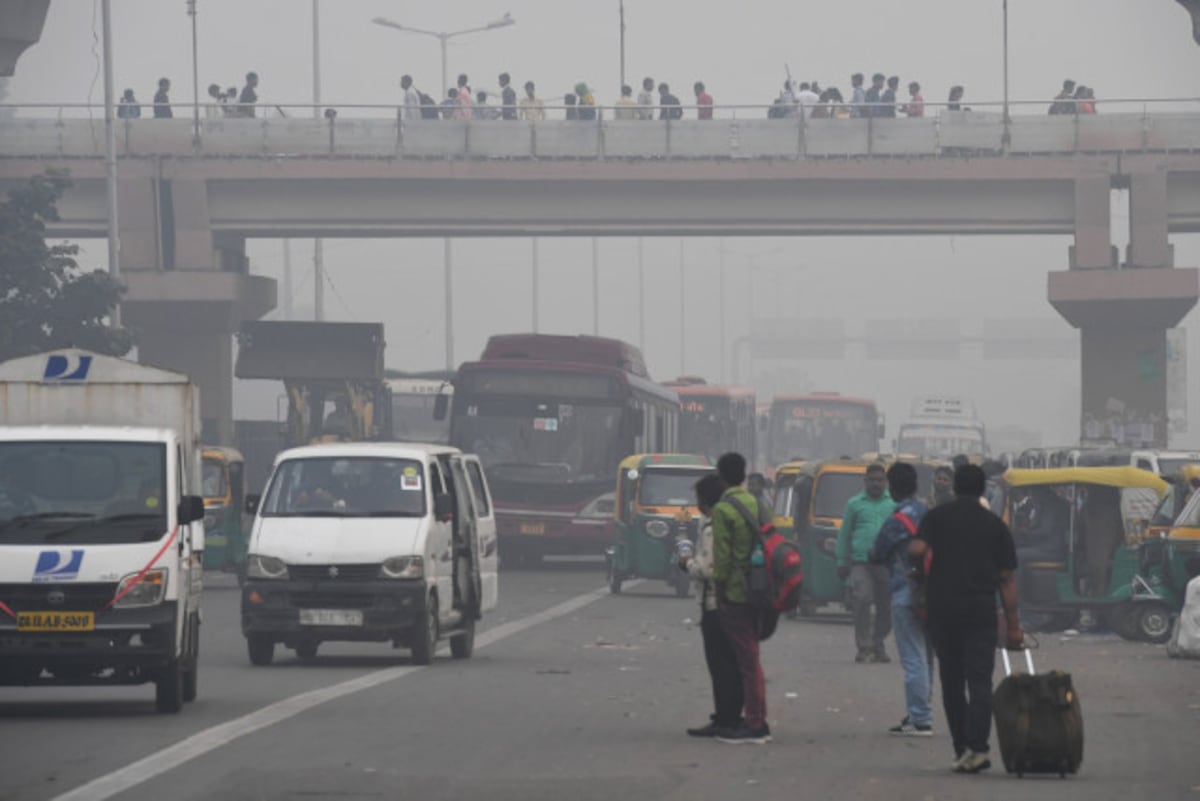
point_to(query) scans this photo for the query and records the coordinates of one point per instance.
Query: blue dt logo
(60, 368)
(57, 566)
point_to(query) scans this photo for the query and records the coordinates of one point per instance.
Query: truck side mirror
(441, 405)
(443, 507)
(191, 509)
(252, 502)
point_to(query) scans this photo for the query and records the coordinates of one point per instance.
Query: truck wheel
(261, 649)
(425, 633)
(307, 650)
(168, 689)
(463, 645)
(1153, 622)
(191, 676)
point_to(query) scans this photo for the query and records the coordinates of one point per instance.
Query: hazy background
(1122, 48)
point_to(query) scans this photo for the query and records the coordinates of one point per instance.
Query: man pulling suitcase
(973, 558)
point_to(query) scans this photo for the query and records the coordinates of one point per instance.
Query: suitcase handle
(1008, 664)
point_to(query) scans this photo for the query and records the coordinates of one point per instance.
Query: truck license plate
(55, 621)
(331, 617)
(533, 528)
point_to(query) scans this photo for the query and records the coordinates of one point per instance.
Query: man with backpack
(908, 612)
(733, 541)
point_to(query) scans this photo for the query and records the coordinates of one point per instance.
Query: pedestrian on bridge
(508, 98)
(646, 100)
(889, 98)
(915, 107)
(249, 96)
(704, 102)
(626, 109)
(412, 99)
(128, 108)
(450, 104)
(162, 100)
(669, 107)
(215, 109)
(1064, 101)
(857, 96)
(532, 108)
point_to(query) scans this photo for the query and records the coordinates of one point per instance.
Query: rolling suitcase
(1038, 721)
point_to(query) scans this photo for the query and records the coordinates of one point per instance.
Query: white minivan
(370, 542)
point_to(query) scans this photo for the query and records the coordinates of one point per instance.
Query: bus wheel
(261, 650)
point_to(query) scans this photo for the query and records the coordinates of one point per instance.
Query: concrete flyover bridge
(192, 192)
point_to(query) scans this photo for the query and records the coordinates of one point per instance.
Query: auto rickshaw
(1079, 533)
(1172, 559)
(810, 498)
(224, 486)
(655, 511)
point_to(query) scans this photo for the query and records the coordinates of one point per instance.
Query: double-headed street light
(444, 37)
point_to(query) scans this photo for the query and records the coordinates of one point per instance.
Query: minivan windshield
(73, 492)
(346, 486)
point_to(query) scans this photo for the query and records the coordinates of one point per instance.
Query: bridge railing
(382, 132)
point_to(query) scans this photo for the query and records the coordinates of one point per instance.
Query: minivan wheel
(261, 649)
(463, 645)
(425, 633)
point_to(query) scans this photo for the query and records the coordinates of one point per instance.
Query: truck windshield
(413, 421)
(664, 487)
(347, 487)
(71, 492)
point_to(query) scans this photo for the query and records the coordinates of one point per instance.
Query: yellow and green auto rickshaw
(224, 487)
(1079, 533)
(810, 498)
(1174, 557)
(655, 510)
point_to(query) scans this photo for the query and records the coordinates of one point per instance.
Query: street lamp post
(622, 14)
(443, 38)
(110, 156)
(1007, 136)
(318, 243)
(191, 6)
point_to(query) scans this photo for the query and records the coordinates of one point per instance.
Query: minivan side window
(477, 487)
(435, 480)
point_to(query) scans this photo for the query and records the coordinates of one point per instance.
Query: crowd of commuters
(939, 571)
(221, 102)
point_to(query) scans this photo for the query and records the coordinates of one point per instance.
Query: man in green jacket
(864, 515)
(733, 540)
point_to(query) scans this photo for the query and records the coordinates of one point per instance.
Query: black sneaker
(709, 730)
(909, 729)
(744, 735)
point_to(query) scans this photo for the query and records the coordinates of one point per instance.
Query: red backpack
(776, 583)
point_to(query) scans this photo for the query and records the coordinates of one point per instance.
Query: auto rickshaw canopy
(1119, 477)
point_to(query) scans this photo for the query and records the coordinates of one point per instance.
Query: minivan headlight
(265, 567)
(145, 591)
(403, 567)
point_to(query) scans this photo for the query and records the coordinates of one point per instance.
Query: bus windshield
(526, 438)
(69, 493)
(820, 430)
(706, 430)
(943, 442)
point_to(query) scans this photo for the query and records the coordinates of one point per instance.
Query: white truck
(101, 525)
(942, 427)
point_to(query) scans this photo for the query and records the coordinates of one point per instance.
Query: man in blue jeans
(891, 549)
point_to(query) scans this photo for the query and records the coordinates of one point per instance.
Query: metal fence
(729, 137)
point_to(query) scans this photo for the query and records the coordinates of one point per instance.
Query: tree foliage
(46, 300)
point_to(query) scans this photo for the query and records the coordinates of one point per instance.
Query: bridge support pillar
(1123, 317)
(186, 321)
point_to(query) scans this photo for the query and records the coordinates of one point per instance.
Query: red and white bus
(714, 420)
(820, 425)
(551, 417)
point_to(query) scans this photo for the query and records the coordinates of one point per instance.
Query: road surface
(572, 694)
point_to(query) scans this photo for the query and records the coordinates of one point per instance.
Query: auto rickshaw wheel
(1153, 622)
(1124, 621)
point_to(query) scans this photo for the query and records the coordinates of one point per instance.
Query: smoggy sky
(1122, 48)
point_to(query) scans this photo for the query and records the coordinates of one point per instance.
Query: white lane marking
(213, 738)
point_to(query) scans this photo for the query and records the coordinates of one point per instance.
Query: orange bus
(820, 425)
(714, 419)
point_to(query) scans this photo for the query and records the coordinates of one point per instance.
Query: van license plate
(331, 617)
(56, 621)
(533, 528)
